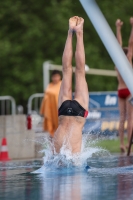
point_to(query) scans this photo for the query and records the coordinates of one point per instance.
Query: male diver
(72, 112)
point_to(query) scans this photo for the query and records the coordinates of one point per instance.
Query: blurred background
(32, 32)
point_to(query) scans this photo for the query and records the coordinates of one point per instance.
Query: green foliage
(113, 146)
(32, 32)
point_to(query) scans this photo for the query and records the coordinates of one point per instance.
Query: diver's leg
(81, 89)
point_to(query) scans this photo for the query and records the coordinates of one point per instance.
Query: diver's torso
(69, 132)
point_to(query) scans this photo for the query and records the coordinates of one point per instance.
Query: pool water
(109, 178)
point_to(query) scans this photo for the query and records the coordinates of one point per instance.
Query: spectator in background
(125, 108)
(49, 105)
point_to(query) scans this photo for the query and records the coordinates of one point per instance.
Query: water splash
(65, 159)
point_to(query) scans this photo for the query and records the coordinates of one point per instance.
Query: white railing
(47, 66)
(34, 103)
(7, 105)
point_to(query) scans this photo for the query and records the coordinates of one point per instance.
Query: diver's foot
(123, 149)
(72, 23)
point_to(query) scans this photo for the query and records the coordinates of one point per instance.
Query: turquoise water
(109, 178)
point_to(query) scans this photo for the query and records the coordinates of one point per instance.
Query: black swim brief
(72, 108)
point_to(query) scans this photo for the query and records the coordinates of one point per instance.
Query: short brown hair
(55, 72)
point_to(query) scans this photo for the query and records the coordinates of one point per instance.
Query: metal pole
(29, 105)
(110, 41)
(13, 106)
(13, 109)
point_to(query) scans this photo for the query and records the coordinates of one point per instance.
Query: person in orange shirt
(49, 105)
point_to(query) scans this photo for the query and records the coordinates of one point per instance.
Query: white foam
(66, 159)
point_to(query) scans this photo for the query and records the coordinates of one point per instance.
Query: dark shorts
(72, 108)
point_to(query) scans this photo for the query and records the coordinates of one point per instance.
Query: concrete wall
(20, 141)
